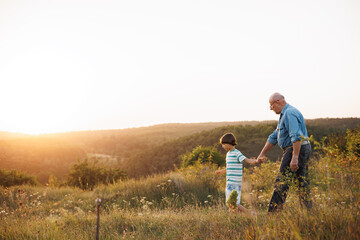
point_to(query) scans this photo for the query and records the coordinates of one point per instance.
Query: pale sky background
(77, 65)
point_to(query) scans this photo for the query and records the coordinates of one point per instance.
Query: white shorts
(228, 190)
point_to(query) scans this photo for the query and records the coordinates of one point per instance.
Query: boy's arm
(251, 161)
(218, 172)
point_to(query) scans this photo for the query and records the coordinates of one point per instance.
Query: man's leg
(303, 178)
(282, 182)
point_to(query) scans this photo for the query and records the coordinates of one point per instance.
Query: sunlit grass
(186, 204)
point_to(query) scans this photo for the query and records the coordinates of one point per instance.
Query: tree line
(142, 151)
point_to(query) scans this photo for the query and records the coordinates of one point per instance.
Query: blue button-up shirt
(291, 128)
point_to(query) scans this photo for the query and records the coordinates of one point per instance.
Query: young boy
(234, 168)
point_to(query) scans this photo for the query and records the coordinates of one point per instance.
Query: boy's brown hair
(228, 138)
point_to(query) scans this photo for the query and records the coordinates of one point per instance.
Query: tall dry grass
(185, 204)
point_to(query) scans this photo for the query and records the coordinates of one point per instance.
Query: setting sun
(46, 102)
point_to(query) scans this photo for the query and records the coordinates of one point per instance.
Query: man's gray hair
(276, 96)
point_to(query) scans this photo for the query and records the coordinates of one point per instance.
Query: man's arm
(265, 149)
(294, 164)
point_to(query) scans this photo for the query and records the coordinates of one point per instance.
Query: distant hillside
(39, 156)
(55, 153)
(251, 140)
(10, 135)
(122, 142)
(141, 151)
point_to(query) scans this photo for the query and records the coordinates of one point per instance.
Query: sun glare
(40, 115)
(49, 98)
(41, 111)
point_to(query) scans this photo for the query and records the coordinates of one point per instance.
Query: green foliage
(251, 139)
(260, 181)
(86, 176)
(231, 202)
(343, 151)
(189, 204)
(15, 178)
(201, 155)
(177, 205)
(194, 185)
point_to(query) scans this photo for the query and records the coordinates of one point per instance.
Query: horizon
(170, 123)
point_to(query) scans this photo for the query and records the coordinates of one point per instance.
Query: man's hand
(261, 159)
(294, 164)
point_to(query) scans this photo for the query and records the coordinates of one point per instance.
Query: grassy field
(189, 204)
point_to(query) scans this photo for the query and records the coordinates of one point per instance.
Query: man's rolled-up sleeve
(273, 138)
(294, 127)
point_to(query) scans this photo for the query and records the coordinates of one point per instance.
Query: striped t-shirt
(234, 167)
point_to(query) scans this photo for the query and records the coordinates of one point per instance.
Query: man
(291, 135)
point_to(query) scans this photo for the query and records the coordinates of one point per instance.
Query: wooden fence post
(98, 203)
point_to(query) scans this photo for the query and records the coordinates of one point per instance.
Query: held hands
(261, 159)
(258, 160)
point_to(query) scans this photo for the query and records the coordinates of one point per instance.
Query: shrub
(84, 176)
(202, 154)
(14, 178)
(343, 151)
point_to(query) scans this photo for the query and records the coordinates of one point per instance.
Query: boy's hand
(252, 161)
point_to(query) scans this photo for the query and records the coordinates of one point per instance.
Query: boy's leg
(228, 190)
(243, 209)
(282, 182)
(240, 208)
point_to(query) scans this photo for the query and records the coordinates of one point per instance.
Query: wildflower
(206, 202)
(169, 180)
(209, 196)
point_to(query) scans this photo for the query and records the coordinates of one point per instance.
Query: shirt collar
(284, 108)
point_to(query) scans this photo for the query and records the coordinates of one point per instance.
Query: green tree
(15, 178)
(86, 176)
(202, 154)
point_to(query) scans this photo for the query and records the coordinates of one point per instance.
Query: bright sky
(78, 65)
